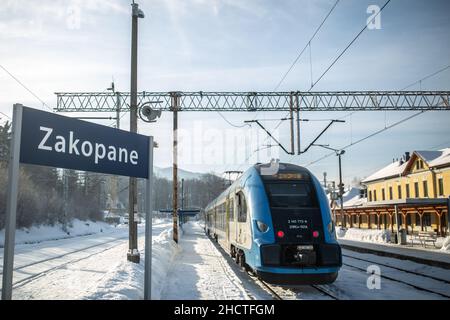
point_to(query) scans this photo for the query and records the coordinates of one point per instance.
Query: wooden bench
(426, 237)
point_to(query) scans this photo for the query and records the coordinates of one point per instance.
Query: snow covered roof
(435, 158)
(392, 170)
(397, 168)
(352, 198)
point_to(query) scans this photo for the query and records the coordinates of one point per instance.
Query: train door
(227, 221)
(241, 218)
(231, 233)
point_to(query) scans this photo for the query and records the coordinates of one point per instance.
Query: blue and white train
(277, 225)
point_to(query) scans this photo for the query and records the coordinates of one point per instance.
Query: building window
(441, 186)
(418, 165)
(421, 164)
(390, 193)
(425, 189)
(416, 189)
(383, 197)
(399, 188)
(374, 195)
(407, 190)
(370, 195)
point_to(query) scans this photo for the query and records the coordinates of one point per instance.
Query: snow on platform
(429, 257)
(200, 271)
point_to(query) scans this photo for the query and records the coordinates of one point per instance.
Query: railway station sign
(48, 139)
(53, 140)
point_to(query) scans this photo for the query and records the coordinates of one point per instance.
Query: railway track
(274, 290)
(399, 269)
(30, 278)
(325, 291)
(399, 281)
(63, 255)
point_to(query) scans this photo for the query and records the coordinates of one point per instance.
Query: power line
(349, 45)
(305, 47)
(418, 81)
(231, 124)
(386, 127)
(25, 87)
(6, 115)
(367, 137)
(313, 84)
(308, 44)
(427, 77)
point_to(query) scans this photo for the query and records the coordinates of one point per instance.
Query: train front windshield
(290, 194)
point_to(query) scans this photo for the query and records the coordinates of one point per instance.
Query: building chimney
(407, 156)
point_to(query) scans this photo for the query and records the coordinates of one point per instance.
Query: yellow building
(420, 180)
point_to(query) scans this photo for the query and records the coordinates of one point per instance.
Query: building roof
(394, 169)
(435, 158)
(398, 168)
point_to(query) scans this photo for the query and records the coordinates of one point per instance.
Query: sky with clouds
(235, 45)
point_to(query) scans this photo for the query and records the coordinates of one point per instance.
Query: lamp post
(339, 153)
(133, 253)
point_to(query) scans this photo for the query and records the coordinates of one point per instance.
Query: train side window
(242, 207)
(231, 209)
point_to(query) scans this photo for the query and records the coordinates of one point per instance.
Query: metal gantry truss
(257, 101)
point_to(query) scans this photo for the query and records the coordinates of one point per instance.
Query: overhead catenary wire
(386, 127)
(305, 47)
(341, 53)
(367, 137)
(349, 45)
(6, 115)
(26, 88)
(308, 44)
(232, 124)
(427, 77)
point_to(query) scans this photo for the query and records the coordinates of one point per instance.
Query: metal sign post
(44, 138)
(148, 225)
(11, 206)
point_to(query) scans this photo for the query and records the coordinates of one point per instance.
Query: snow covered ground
(200, 271)
(85, 267)
(44, 233)
(95, 267)
(384, 237)
(365, 235)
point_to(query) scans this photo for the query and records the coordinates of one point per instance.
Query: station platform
(403, 252)
(200, 271)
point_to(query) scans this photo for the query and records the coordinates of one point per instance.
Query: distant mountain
(182, 174)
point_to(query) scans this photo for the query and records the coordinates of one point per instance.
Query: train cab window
(242, 207)
(291, 195)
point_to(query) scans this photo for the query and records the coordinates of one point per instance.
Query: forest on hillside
(44, 198)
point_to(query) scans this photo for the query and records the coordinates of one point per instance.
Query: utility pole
(175, 103)
(65, 179)
(448, 216)
(182, 194)
(297, 108)
(133, 253)
(339, 153)
(341, 188)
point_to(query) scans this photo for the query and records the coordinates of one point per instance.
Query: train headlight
(262, 226)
